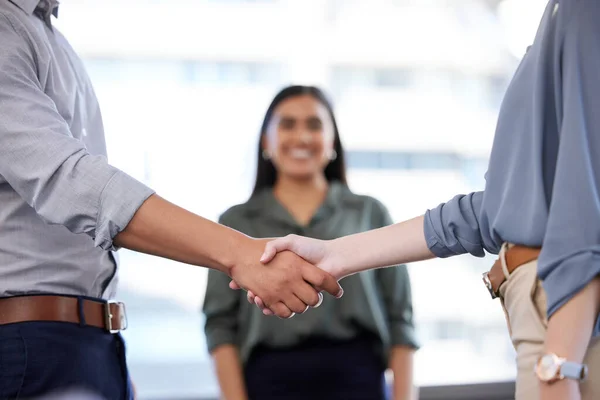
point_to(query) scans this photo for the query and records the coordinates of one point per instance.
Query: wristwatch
(551, 368)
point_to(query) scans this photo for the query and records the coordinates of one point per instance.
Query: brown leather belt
(110, 315)
(515, 256)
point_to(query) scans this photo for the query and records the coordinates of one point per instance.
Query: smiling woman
(299, 146)
(345, 345)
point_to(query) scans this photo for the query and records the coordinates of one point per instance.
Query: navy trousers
(318, 369)
(39, 358)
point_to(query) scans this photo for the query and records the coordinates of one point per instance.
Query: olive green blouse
(377, 301)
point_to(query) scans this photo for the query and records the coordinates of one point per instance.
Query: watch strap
(572, 370)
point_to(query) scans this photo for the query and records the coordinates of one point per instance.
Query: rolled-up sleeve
(45, 165)
(220, 308)
(394, 283)
(570, 256)
(453, 228)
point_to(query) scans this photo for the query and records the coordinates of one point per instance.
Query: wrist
(559, 378)
(335, 262)
(237, 253)
(565, 389)
(243, 251)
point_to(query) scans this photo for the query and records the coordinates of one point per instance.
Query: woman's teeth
(300, 154)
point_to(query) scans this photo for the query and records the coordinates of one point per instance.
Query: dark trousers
(317, 369)
(39, 358)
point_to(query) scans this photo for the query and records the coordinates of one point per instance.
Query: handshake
(289, 275)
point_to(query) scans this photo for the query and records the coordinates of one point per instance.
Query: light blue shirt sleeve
(456, 227)
(570, 256)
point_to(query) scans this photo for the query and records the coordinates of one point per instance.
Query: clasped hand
(290, 276)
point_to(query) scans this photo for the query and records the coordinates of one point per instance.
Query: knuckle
(320, 280)
(268, 301)
(284, 283)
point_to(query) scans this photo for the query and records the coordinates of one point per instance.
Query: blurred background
(416, 86)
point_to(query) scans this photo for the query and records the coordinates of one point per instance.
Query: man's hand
(314, 251)
(286, 285)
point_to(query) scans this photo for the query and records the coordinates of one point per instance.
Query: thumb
(275, 246)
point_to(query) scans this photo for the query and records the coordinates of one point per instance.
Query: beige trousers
(524, 302)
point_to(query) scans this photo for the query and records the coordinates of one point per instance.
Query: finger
(295, 304)
(308, 295)
(250, 297)
(322, 280)
(320, 300)
(258, 301)
(281, 310)
(275, 246)
(233, 285)
(261, 305)
(269, 253)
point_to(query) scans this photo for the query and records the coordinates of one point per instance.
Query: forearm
(568, 335)
(400, 243)
(401, 364)
(570, 327)
(163, 229)
(229, 373)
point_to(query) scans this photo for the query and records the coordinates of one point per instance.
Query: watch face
(548, 367)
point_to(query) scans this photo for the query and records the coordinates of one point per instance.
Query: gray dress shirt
(543, 180)
(376, 302)
(61, 203)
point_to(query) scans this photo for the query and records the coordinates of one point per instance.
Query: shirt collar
(29, 6)
(266, 204)
(44, 8)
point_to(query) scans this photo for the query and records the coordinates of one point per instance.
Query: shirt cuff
(216, 337)
(563, 281)
(120, 199)
(402, 334)
(432, 239)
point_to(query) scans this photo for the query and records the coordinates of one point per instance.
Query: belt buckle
(108, 316)
(488, 285)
